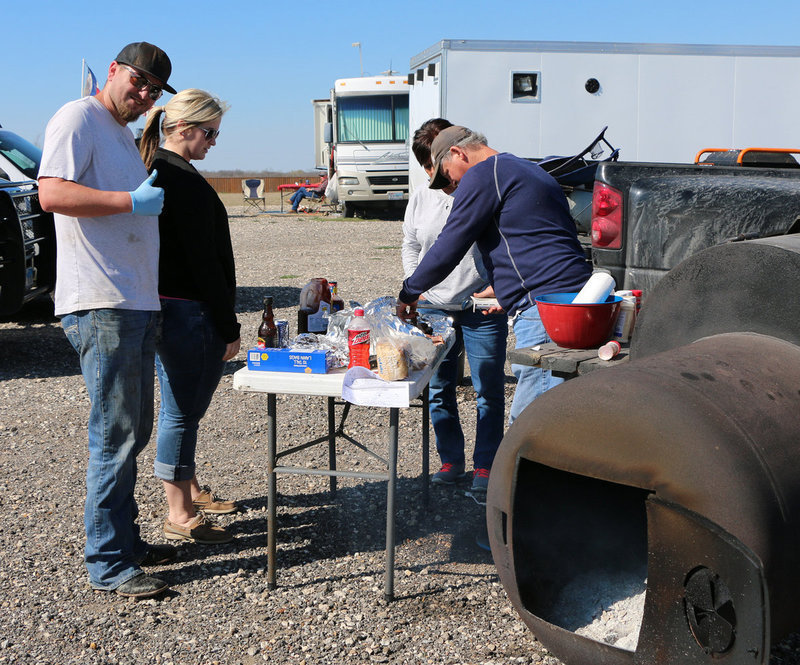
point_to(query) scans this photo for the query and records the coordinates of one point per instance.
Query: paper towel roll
(597, 289)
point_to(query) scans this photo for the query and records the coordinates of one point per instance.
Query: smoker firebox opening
(580, 552)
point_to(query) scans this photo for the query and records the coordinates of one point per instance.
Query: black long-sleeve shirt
(196, 255)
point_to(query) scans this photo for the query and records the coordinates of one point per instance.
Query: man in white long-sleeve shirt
(482, 337)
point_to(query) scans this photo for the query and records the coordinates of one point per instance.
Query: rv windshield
(373, 119)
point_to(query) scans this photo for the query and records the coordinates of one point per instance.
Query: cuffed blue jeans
(189, 366)
(116, 349)
(531, 381)
(483, 338)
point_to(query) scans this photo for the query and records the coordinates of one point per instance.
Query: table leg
(272, 491)
(388, 589)
(426, 465)
(332, 442)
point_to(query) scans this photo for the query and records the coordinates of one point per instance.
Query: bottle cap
(359, 312)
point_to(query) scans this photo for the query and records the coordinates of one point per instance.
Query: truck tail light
(606, 217)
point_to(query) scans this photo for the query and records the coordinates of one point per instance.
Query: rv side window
(373, 118)
(524, 86)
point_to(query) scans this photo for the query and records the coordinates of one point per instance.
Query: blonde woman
(197, 285)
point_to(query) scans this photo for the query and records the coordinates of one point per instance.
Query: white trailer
(365, 125)
(661, 102)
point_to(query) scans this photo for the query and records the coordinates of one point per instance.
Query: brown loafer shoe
(208, 503)
(199, 530)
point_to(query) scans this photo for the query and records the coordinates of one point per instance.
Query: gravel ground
(328, 607)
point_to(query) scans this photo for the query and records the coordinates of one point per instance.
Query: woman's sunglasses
(210, 133)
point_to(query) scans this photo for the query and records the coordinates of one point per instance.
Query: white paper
(365, 388)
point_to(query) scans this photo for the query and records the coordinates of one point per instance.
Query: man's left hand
(406, 311)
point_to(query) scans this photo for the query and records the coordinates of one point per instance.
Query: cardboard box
(286, 360)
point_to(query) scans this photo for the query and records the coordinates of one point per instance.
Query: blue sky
(269, 59)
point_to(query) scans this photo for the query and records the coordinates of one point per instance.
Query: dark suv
(27, 235)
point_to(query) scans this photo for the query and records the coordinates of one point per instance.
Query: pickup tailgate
(673, 211)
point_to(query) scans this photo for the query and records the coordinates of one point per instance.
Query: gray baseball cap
(441, 145)
(149, 59)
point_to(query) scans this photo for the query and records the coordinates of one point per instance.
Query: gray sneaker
(449, 474)
(480, 480)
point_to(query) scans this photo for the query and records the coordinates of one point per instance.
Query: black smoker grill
(676, 475)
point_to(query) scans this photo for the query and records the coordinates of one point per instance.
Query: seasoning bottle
(627, 317)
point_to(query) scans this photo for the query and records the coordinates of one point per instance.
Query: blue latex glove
(147, 200)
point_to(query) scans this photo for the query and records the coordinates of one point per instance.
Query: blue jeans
(531, 381)
(116, 349)
(189, 366)
(483, 338)
(301, 194)
(298, 196)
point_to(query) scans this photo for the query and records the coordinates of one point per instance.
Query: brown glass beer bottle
(267, 331)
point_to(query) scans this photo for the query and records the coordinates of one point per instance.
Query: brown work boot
(208, 503)
(199, 530)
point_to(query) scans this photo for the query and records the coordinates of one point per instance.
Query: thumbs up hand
(147, 200)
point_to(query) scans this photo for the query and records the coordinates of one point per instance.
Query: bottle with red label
(358, 340)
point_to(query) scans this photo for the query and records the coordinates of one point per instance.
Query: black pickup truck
(27, 236)
(648, 217)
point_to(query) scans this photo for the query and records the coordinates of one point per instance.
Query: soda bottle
(337, 303)
(358, 340)
(267, 331)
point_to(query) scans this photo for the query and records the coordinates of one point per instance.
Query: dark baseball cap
(149, 59)
(441, 145)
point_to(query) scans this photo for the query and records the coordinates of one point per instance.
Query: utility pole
(360, 60)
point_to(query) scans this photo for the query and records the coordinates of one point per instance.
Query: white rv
(365, 124)
(661, 102)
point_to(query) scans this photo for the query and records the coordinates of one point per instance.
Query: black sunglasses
(210, 133)
(140, 82)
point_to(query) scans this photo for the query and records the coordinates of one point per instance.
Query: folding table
(399, 394)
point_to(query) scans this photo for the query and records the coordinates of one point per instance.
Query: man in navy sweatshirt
(519, 218)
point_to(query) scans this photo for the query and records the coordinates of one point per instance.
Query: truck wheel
(348, 210)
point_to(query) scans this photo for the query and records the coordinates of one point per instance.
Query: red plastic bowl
(578, 326)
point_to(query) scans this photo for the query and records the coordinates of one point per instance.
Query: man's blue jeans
(117, 351)
(531, 381)
(189, 365)
(298, 196)
(483, 338)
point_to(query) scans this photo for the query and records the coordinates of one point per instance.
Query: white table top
(398, 393)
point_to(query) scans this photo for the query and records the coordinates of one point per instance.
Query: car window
(21, 153)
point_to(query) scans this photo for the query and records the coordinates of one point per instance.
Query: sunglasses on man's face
(210, 133)
(140, 82)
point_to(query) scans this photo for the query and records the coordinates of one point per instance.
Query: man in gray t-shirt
(106, 219)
